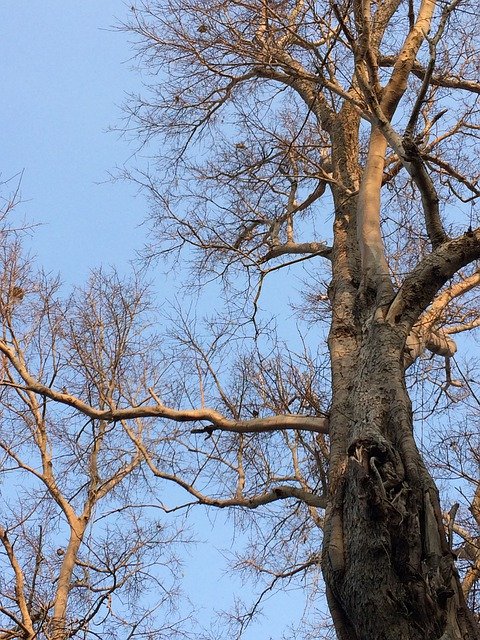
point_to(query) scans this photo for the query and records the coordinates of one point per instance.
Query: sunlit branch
(432, 273)
(281, 492)
(447, 81)
(460, 328)
(423, 338)
(219, 421)
(411, 158)
(455, 290)
(26, 622)
(425, 335)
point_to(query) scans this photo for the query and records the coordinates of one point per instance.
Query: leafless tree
(338, 135)
(341, 133)
(83, 541)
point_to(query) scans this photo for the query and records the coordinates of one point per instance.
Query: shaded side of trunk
(389, 571)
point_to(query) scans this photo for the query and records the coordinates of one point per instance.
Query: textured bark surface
(389, 570)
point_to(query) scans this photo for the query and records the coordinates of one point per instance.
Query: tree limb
(159, 410)
(452, 82)
(430, 275)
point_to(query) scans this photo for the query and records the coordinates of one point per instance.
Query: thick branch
(278, 493)
(410, 157)
(295, 248)
(464, 326)
(440, 303)
(65, 579)
(26, 622)
(430, 275)
(158, 410)
(422, 338)
(418, 70)
(405, 60)
(374, 264)
(256, 425)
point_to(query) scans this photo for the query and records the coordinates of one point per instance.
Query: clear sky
(65, 75)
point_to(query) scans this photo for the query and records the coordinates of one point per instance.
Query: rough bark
(388, 568)
(387, 564)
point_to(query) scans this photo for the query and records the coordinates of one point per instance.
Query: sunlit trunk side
(59, 619)
(375, 274)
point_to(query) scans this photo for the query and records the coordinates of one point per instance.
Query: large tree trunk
(389, 571)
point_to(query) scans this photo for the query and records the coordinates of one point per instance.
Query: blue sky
(65, 75)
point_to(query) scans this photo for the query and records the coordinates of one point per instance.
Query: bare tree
(340, 135)
(83, 541)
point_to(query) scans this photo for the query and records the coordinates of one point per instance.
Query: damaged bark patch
(380, 461)
(392, 565)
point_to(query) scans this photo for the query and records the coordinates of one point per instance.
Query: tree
(82, 544)
(334, 134)
(299, 106)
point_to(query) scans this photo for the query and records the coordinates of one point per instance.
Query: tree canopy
(329, 144)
